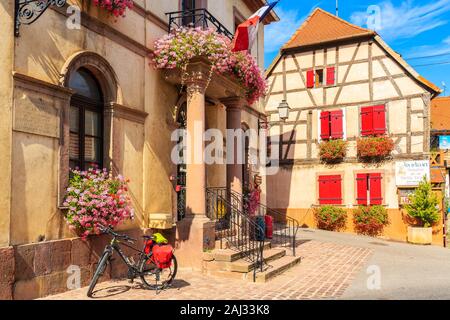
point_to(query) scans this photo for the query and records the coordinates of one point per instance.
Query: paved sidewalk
(326, 270)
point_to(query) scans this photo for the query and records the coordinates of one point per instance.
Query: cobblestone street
(326, 270)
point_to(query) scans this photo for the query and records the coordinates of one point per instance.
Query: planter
(418, 235)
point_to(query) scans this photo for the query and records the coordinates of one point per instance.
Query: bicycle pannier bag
(162, 256)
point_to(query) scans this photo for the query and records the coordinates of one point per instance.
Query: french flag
(246, 32)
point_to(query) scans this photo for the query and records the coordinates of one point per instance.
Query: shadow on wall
(279, 185)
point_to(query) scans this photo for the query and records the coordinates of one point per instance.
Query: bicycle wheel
(98, 272)
(157, 279)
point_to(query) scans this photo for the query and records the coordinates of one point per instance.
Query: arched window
(86, 121)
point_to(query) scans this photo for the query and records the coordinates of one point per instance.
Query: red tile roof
(440, 113)
(322, 26)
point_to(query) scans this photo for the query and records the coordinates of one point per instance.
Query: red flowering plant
(377, 147)
(176, 49)
(96, 197)
(115, 7)
(370, 220)
(332, 150)
(252, 201)
(330, 218)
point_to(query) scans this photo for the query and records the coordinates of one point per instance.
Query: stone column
(195, 232)
(234, 107)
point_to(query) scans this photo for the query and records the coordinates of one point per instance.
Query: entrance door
(246, 174)
(181, 167)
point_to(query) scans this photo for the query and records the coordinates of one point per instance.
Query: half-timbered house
(342, 81)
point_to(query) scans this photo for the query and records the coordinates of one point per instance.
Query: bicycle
(145, 268)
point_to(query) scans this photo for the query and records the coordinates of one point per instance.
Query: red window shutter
(366, 121)
(337, 131)
(330, 76)
(310, 79)
(330, 189)
(361, 182)
(375, 188)
(325, 125)
(379, 119)
(324, 189)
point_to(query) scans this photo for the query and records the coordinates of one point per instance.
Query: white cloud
(405, 21)
(278, 33)
(430, 51)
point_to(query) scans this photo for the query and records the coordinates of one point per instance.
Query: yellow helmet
(159, 238)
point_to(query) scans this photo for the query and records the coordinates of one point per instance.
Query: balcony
(196, 18)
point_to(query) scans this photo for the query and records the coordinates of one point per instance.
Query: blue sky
(414, 28)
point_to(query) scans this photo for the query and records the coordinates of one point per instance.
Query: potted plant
(330, 218)
(370, 220)
(424, 210)
(116, 8)
(96, 197)
(334, 150)
(374, 147)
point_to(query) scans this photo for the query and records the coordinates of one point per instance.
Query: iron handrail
(286, 227)
(196, 18)
(232, 224)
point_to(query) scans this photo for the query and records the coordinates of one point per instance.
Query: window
(316, 78)
(331, 125)
(369, 189)
(86, 121)
(330, 189)
(373, 120)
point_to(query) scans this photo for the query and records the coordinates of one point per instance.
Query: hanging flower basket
(116, 8)
(331, 151)
(176, 49)
(96, 197)
(375, 147)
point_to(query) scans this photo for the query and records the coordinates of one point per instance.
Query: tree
(424, 205)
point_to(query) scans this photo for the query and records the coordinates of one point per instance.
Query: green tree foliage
(424, 205)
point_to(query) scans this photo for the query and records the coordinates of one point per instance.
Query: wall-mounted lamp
(283, 110)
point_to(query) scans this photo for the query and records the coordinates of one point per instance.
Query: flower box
(116, 8)
(333, 150)
(178, 48)
(374, 147)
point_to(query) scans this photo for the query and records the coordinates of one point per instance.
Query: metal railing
(240, 231)
(284, 228)
(196, 18)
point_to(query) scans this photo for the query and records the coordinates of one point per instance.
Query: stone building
(344, 82)
(76, 97)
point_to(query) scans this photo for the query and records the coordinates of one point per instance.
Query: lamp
(283, 110)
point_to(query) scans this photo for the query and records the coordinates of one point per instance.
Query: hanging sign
(410, 173)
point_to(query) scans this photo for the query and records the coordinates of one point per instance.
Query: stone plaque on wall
(37, 114)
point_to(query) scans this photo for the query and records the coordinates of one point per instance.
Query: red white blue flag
(246, 32)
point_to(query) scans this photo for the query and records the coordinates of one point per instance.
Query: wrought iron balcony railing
(196, 18)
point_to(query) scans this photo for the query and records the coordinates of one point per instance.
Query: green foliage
(370, 220)
(333, 150)
(424, 205)
(330, 218)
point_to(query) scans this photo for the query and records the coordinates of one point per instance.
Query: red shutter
(310, 79)
(366, 121)
(330, 189)
(330, 76)
(324, 189)
(337, 131)
(325, 125)
(375, 188)
(361, 182)
(379, 119)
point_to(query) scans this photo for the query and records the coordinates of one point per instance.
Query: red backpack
(162, 255)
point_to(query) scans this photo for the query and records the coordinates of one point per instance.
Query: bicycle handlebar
(110, 231)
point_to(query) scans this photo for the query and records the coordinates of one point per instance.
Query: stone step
(243, 265)
(276, 267)
(232, 254)
(225, 243)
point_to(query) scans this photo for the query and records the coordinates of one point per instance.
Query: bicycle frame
(114, 245)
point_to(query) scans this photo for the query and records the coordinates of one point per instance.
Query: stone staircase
(226, 261)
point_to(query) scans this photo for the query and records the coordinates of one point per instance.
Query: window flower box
(375, 147)
(331, 151)
(176, 49)
(116, 8)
